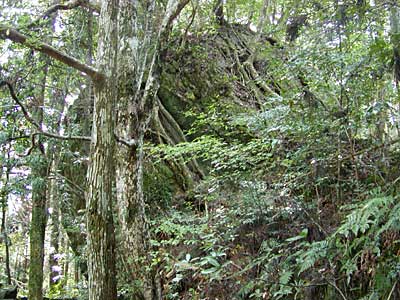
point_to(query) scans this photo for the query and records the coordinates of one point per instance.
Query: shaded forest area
(200, 149)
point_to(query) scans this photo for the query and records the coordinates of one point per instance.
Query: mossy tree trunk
(39, 169)
(141, 34)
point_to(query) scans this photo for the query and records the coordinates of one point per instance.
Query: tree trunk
(4, 198)
(141, 36)
(131, 117)
(395, 40)
(39, 169)
(99, 218)
(37, 229)
(65, 268)
(54, 275)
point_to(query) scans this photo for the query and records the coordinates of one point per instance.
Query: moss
(159, 186)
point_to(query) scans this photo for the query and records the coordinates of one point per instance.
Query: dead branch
(67, 6)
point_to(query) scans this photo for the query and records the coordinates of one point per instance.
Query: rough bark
(133, 60)
(99, 219)
(395, 40)
(140, 36)
(39, 169)
(55, 225)
(37, 229)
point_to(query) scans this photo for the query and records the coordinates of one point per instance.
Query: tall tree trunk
(40, 169)
(37, 228)
(39, 174)
(65, 268)
(132, 61)
(395, 40)
(99, 218)
(6, 242)
(141, 36)
(54, 275)
(54, 194)
(4, 198)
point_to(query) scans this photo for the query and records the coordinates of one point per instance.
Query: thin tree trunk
(66, 262)
(395, 40)
(6, 242)
(37, 229)
(4, 195)
(54, 276)
(39, 194)
(54, 197)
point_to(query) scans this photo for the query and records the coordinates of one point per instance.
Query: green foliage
(300, 193)
(309, 176)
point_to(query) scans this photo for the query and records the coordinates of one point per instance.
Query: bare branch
(14, 138)
(64, 137)
(95, 6)
(92, 4)
(15, 36)
(15, 98)
(33, 145)
(39, 129)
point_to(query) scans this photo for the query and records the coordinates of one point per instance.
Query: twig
(68, 6)
(14, 138)
(392, 290)
(39, 129)
(310, 217)
(69, 181)
(336, 288)
(176, 11)
(33, 144)
(63, 137)
(391, 143)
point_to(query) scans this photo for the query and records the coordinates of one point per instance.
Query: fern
(316, 251)
(393, 220)
(367, 214)
(285, 277)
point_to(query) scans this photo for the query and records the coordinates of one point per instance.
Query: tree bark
(141, 36)
(55, 225)
(4, 229)
(99, 218)
(133, 60)
(39, 169)
(37, 228)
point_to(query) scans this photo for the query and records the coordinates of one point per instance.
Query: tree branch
(63, 137)
(34, 123)
(15, 36)
(176, 11)
(93, 5)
